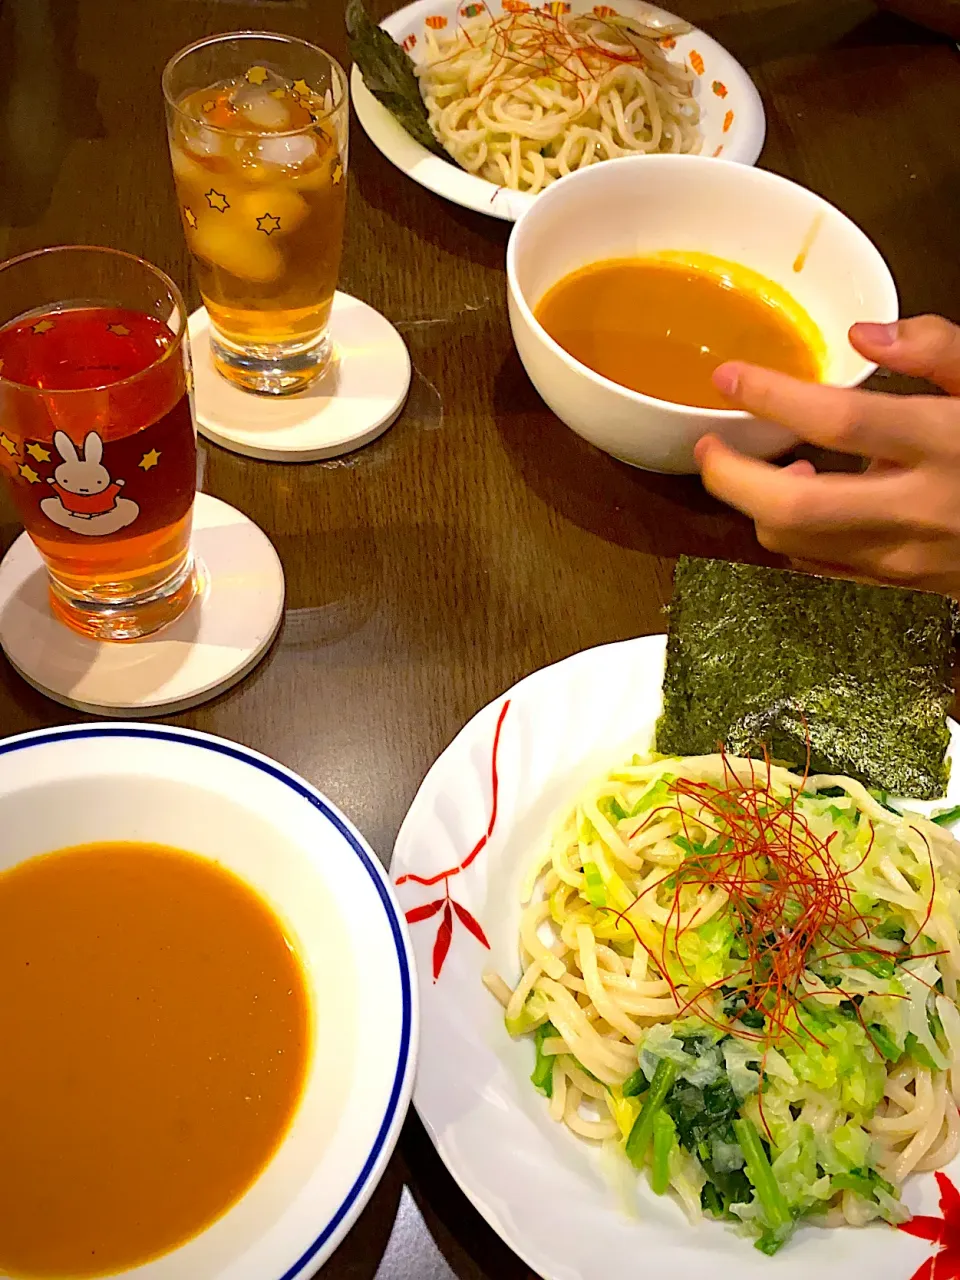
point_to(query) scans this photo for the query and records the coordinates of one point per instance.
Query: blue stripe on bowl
(306, 792)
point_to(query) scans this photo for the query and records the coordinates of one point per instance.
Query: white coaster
(220, 638)
(359, 396)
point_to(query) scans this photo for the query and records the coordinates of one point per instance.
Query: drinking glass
(258, 138)
(97, 439)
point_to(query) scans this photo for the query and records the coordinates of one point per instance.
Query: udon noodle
(525, 99)
(783, 952)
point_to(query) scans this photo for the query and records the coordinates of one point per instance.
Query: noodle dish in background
(690, 974)
(490, 104)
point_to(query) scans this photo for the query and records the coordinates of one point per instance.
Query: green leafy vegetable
(893, 929)
(635, 1084)
(389, 75)
(664, 1141)
(865, 1182)
(884, 1042)
(882, 797)
(703, 1114)
(642, 1131)
(948, 817)
(612, 809)
(778, 1219)
(915, 1050)
(764, 656)
(593, 885)
(542, 1076)
(879, 966)
(656, 795)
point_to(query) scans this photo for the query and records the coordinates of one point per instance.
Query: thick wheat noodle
(600, 1001)
(522, 113)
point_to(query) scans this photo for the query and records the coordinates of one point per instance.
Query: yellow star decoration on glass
(257, 75)
(301, 87)
(217, 200)
(268, 224)
(8, 444)
(190, 218)
(279, 94)
(149, 460)
(337, 173)
(188, 379)
(43, 326)
(120, 330)
(209, 106)
(38, 452)
(28, 473)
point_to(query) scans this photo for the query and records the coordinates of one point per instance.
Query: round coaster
(220, 638)
(359, 396)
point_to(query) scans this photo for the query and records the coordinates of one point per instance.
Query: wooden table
(479, 539)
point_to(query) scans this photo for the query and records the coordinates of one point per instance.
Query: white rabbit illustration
(85, 479)
(87, 499)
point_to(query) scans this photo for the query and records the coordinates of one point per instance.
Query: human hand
(898, 521)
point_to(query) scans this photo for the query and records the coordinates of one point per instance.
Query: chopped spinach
(703, 1114)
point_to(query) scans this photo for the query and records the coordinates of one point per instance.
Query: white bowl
(692, 204)
(163, 785)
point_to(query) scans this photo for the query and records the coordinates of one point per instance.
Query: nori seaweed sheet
(769, 658)
(388, 73)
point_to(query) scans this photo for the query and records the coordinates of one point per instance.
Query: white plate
(542, 1189)
(732, 120)
(91, 783)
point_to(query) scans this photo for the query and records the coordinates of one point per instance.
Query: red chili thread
(788, 895)
(541, 42)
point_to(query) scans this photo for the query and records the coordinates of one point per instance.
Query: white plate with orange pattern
(732, 120)
(480, 817)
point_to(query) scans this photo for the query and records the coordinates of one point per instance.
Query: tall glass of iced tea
(258, 138)
(97, 438)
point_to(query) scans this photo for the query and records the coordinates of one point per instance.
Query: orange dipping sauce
(156, 1031)
(662, 325)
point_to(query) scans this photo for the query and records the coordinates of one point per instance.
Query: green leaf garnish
(389, 75)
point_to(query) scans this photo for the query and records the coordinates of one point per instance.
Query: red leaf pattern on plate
(442, 944)
(445, 932)
(944, 1232)
(467, 919)
(925, 1228)
(925, 1272)
(425, 912)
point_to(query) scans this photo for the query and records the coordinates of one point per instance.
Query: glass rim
(171, 351)
(279, 36)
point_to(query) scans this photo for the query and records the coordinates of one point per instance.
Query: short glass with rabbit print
(97, 437)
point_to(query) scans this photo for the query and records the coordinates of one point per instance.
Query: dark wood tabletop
(478, 539)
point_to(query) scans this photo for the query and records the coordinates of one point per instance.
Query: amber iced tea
(259, 161)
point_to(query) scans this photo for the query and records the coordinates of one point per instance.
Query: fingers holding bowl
(870, 424)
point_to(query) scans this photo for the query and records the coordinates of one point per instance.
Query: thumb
(924, 347)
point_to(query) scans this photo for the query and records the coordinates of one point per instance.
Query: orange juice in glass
(97, 439)
(258, 140)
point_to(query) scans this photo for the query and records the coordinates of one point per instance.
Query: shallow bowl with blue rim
(119, 782)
